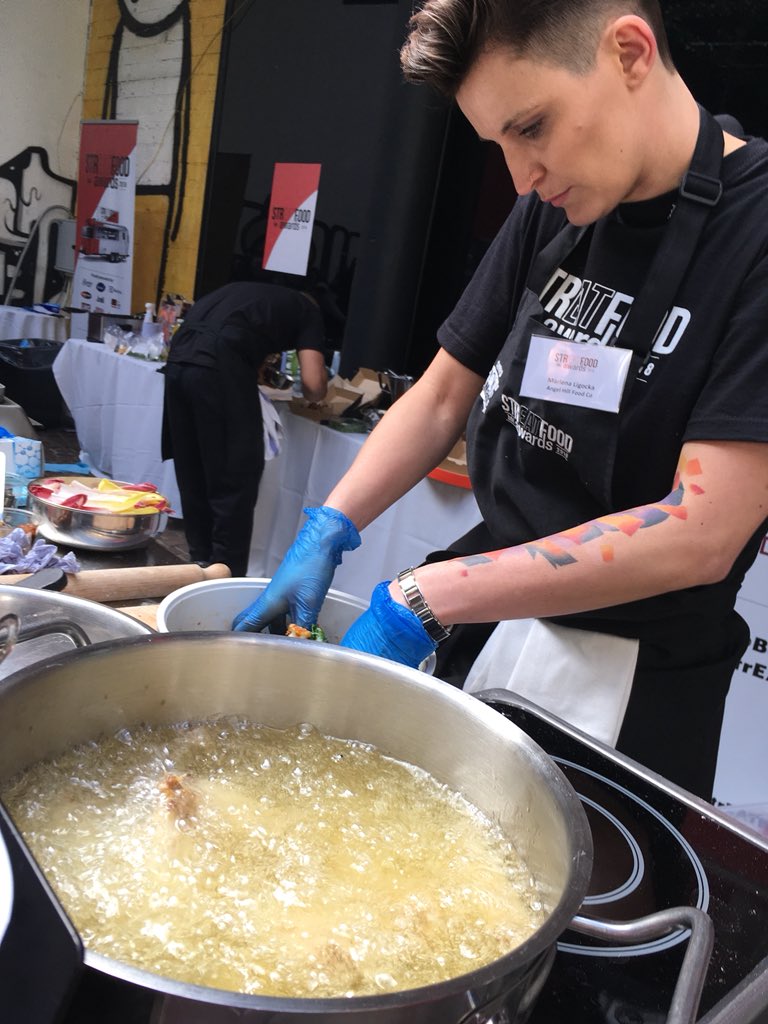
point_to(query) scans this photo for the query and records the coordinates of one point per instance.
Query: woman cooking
(608, 364)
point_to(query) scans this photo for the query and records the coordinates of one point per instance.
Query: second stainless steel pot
(51, 623)
(457, 738)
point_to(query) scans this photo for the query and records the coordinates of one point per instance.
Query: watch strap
(415, 601)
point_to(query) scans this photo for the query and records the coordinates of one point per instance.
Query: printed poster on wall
(291, 217)
(106, 196)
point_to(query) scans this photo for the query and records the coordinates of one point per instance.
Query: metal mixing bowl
(95, 531)
(213, 604)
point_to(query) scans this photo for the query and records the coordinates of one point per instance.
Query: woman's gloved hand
(300, 584)
(390, 630)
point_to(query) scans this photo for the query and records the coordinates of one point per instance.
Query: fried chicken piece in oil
(180, 798)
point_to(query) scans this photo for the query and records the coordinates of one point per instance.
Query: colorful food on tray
(101, 495)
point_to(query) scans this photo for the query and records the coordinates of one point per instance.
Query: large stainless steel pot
(171, 678)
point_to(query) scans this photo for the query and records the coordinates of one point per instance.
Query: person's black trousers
(216, 432)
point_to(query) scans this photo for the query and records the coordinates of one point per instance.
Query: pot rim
(257, 583)
(522, 954)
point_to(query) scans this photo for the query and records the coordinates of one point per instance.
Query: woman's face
(573, 138)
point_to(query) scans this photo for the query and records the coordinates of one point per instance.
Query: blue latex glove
(390, 630)
(300, 584)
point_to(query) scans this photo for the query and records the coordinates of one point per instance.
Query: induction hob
(656, 846)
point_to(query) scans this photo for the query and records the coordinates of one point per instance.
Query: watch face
(6, 890)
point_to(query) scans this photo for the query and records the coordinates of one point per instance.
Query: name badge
(573, 373)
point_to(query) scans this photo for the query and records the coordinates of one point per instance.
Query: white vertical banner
(106, 196)
(742, 765)
(291, 217)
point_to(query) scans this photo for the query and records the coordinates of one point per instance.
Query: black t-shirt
(255, 319)
(707, 373)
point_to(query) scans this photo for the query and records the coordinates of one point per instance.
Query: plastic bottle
(147, 328)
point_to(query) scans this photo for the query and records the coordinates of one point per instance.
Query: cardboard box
(453, 468)
(367, 383)
(342, 396)
(23, 456)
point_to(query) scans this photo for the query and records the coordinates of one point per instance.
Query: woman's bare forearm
(691, 537)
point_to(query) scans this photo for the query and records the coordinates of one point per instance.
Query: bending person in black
(212, 420)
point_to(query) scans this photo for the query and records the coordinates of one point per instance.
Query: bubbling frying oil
(272, 862)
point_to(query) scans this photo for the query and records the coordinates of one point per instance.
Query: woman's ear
(631, 42)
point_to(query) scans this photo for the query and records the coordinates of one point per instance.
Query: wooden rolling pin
(109, 585)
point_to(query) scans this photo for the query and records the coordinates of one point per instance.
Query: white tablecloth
(17, 323)
(116, 403)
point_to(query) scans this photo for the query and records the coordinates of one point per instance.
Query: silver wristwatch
(415, 601)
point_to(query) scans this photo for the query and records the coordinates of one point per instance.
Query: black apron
(565, 477)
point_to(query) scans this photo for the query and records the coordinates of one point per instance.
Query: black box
(26, 369)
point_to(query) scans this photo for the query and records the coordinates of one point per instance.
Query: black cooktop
(656, 847)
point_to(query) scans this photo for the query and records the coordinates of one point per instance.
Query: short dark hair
(445, 37)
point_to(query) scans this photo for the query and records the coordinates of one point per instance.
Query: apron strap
(700, 191)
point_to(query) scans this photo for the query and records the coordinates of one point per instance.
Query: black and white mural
(148, 80)
(33, 200)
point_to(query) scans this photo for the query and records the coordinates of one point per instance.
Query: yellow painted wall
(207, 22)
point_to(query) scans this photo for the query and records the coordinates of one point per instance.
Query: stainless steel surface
(9, 634)
(687, 995)
(13, 517)
(34, 650)
(643, 773)
(747, 1004)
(53, 623)
(458, 739)
(396, 384)
(95, 531)
(13, 632)
(14, 419)
(213, 604)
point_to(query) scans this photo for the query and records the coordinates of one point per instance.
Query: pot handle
(44, 579)
(35, 630)
(687, 994)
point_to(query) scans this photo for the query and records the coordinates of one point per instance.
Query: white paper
(572, 373)
(583, 677)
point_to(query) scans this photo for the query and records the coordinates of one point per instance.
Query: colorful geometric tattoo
(554, 548)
